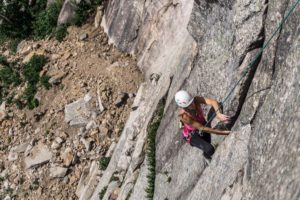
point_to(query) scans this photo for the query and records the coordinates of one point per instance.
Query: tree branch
(6, 19)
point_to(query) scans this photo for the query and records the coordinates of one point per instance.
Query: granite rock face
(204, 47)
(67, 12)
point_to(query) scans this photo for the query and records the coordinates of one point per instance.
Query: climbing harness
(280, 26)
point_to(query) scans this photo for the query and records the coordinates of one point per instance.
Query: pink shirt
(187, 129)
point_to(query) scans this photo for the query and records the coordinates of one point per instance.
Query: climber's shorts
(203, 143)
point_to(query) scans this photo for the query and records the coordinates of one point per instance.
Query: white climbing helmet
(183, 98)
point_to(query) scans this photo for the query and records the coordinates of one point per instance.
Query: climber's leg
(206, 136)
(201, 143)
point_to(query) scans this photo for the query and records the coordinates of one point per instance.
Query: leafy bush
(9, 77)
(61, 33)
(35, 184)
(46, 21)
(98, 2)
(31, 73)
(32, 69)
(82, 13)
(3, 60)
(29, 98)
(16, 19)
(13, 44)
(20, 20)
(152, 129)
(102, 193)
(45, 82)
(103, 162)
(114, 177)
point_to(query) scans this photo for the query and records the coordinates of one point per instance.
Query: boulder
(98, 16)
(67, 157)
(50, 2)
(91, 125)
(31, 54)
(39, 155)
(25, 50)
(57, 143)
(83, 36)
(58, 172)
(87, 143)
(80, 112)
(21, 148)
(12, 156)
(67, 12)
(121, 99)
(57, 78)
(3, 113)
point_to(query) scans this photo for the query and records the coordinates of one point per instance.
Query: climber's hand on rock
(224, 118)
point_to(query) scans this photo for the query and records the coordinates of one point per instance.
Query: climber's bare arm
(187, 120)
(216, 106)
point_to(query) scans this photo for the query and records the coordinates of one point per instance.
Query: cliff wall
(204, 46)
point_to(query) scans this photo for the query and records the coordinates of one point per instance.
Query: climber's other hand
(224, 118)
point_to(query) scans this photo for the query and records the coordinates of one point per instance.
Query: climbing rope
(255, 59)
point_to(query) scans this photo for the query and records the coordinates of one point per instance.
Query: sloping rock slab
(229, 159)
(87, 182)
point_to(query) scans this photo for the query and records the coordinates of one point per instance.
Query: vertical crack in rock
(255, 46)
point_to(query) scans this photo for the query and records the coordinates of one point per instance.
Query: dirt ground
(81, 66)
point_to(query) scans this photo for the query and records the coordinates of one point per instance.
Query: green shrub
(152, 129)
(19, 104)
(61, 32)
(31, 73)
(16, 19)
(129, 194)
(45, 81)
(9, 76)
(98, 2)
(29, 98)
(114, 177)
(103, 163)
(82, 13)
(102, 193)
(83, 10)
(31, 70)
(46, 21)
(13, 44)
(35, 184)
(3, 61)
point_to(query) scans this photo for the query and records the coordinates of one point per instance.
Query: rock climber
(192, 117)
